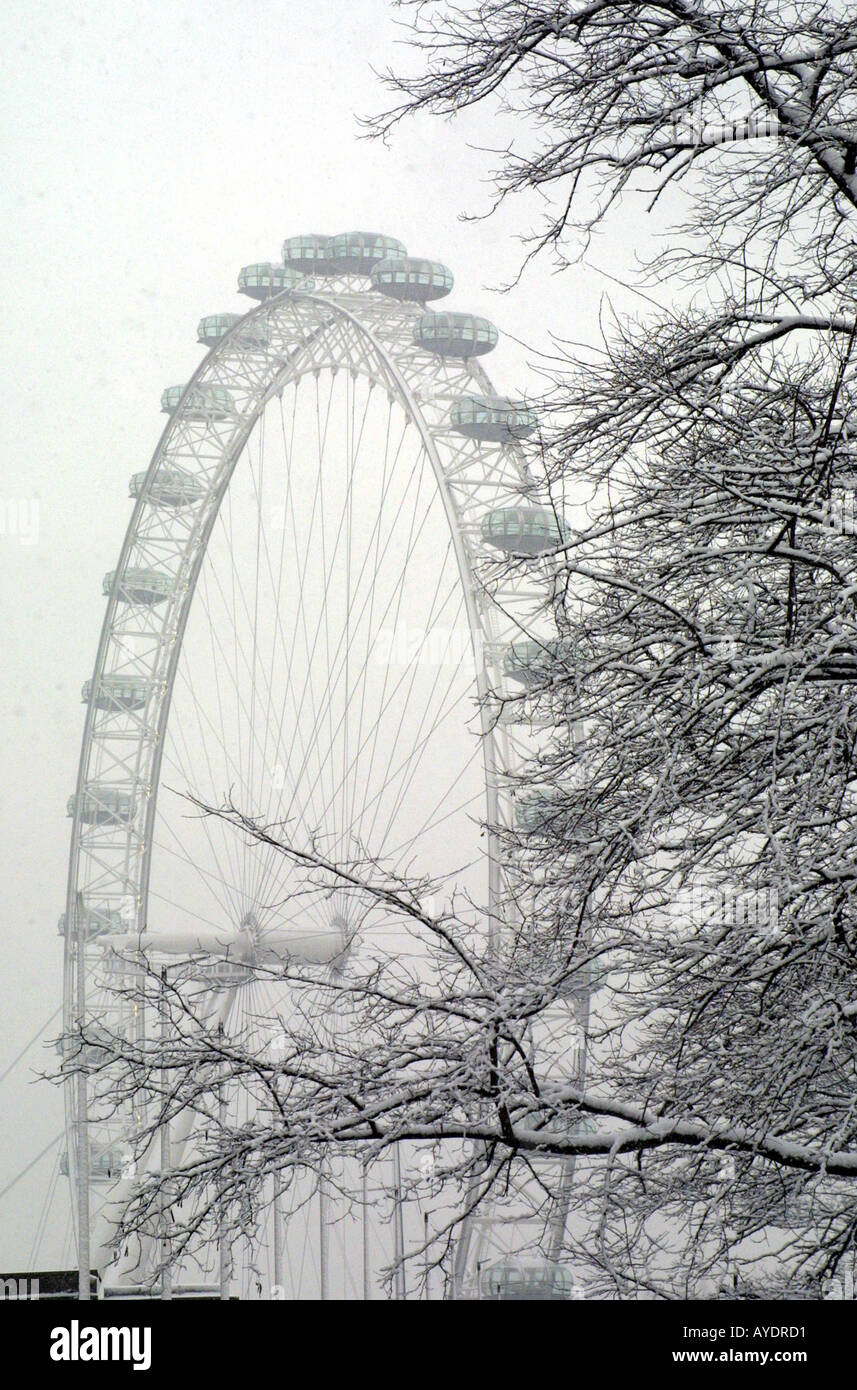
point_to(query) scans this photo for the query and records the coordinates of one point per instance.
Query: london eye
(296, 620)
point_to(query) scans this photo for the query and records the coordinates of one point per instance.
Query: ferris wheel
(296, 621)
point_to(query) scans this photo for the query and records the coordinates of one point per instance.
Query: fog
(151, 151)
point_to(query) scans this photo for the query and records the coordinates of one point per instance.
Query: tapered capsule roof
(117, 692)
(494, 419)
(355, 253)
(95, 921)
(522, 530)
(102, 805)
(455, 335)
(214, 326)
(308, 254)
(108, 1160)
(222, 974)
(170, 487)
(140, 585)
(265, 278)
(411, 278)
(251, 336)
(530, 661)
(203, 402)
(526, 1277)
(544, 812)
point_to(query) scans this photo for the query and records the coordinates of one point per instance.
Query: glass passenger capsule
(308, 254)
(530, 662)
(355, 253)
(522, 1277)
(114, 692)
(107, 1162)
(96, 921)
(89, 1054)
(202, 402)
(493, 419)
(844, 479)
(170, 487)
(522, 530)
(103, 805)
(253, 336)
(840, 427)
(214, 327)
(550, 1125)
(585, 980)
(541, 813)
(455, 335)
(265, 279)
(410, 278)
(140, 586)
(838, 665)
(222, 974)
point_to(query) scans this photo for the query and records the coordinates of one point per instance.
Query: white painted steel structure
(353, 377)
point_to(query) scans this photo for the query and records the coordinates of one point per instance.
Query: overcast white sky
(149, 151)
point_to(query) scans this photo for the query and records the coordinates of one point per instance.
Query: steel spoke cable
(206, 875)
(258, 487)
(190, 784)
(476, 800)
(388, 466)
(328, 561)
(270, 858)
(405, 703)
(420, 747)
(234, 577)
(315, 511)
(231, 884)
(352, 446)
(395, 596)
(213, 625)
(28, 1168)
(332, 676)
(41, 1224)
(30, 1043)
(183, 767)
(419, 472)
(402, 767)
(289, 659)
(215, 667)
(392, 773)
(348, 811)
(321, 434)
(189, 912)
(334, 673)
(224, 737)
(321, 509)
(288, 450)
